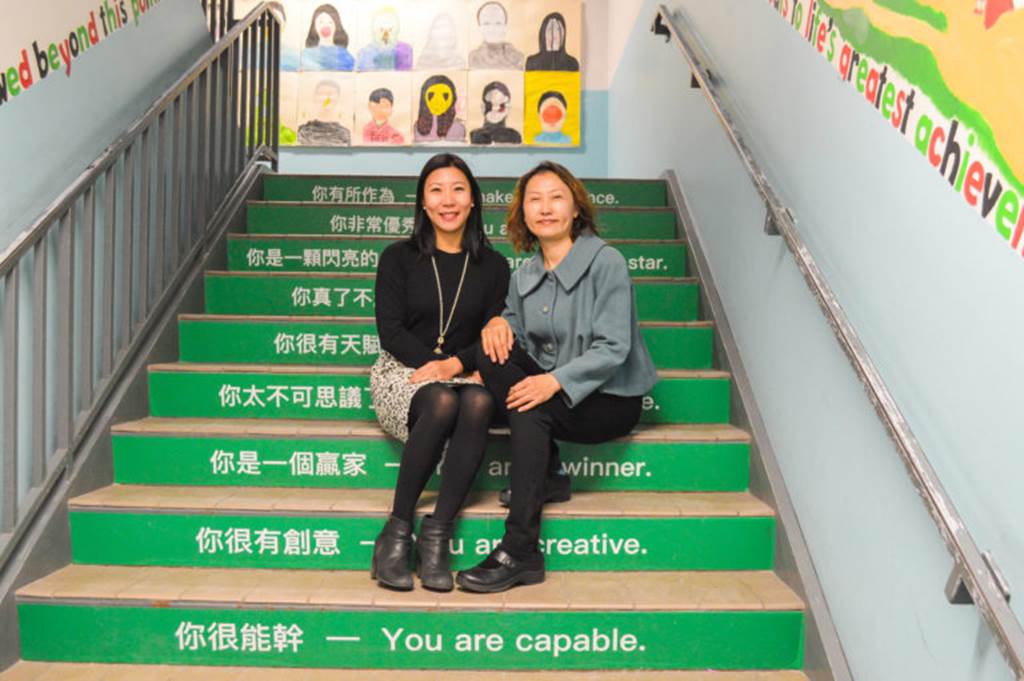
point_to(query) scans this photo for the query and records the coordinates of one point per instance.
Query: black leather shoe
(501, 572)
(391, 552)
(432, 557)
(557, 488)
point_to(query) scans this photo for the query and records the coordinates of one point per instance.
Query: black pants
(598, 418)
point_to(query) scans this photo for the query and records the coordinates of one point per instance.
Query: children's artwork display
(419, 72)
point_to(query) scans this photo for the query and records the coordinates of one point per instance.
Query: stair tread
(327, 589)
(277, 500)
(64, 671)
(318, 319)
(371, 275)
(216, 368)
(243, 236)
(154, 425)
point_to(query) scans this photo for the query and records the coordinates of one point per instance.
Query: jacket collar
(569, 271)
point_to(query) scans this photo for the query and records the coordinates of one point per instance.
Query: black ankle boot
(432, 555)
(390, 565)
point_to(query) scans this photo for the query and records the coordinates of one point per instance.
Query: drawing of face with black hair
(496, 102)
(552, 109)
(551, 40)
(326, 42)
(554, 33)
(436, 120)
(325, 28)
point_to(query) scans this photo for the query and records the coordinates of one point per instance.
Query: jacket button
(548, 347)
(545, 309)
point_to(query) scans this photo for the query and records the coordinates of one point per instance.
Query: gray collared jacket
(579, 322)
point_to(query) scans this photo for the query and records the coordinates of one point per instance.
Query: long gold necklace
(442, 327)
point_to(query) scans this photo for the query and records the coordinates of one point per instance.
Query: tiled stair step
(731, 620)
(352, 341)
(244, 527)
(332, 392)
(72, 671)
(280, 217)
(661, 299)
(359, 254)
(496, 190)
(339, 455)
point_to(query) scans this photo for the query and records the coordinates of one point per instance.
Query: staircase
(239, 527)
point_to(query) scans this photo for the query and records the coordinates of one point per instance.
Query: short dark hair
(552, 93)
(340, 36)
(382, 93)
(474, 241)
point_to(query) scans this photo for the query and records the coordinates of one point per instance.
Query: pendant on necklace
(437, 350)
(440, 342)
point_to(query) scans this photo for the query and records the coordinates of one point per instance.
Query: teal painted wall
(927, 285)
(55, 130)
(589, 160)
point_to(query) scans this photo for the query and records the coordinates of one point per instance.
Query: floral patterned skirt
(392, 393)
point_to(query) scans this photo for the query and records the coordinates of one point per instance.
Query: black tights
(461, 414)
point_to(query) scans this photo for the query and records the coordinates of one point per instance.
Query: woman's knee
(476, 402)
(438, 401)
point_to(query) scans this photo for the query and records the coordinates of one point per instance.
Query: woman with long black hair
(434, 292)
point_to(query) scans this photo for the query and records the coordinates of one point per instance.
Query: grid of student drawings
(444, 73)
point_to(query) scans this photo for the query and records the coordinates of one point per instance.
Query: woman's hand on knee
(438, 370)
(532, 391)
(496, 339)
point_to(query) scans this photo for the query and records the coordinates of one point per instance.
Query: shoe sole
(388, 585)
(522, 579)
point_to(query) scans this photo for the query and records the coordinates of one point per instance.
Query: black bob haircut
(548, 95)
(474, 241)
(340, 36)
(382, 93)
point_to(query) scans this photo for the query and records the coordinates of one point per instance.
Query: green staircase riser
(360, 255)
(349, 344)
(244, 294)
(399, 639)
(397, 221)
(345, 542)
(373, 463)
(333, 396)
(496, 191)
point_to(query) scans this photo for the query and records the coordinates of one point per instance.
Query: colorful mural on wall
(438, 73)
(946, 75)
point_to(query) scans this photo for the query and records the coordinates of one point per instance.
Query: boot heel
(390, 562)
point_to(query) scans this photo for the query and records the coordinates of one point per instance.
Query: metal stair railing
(975, 578)
(105, 258)
(220, 16)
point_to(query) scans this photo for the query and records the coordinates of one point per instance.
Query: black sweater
(406, 302)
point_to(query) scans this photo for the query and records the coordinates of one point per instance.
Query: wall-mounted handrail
(105, 256)
(974, 571)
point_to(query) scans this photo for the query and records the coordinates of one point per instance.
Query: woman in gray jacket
(565, 358)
